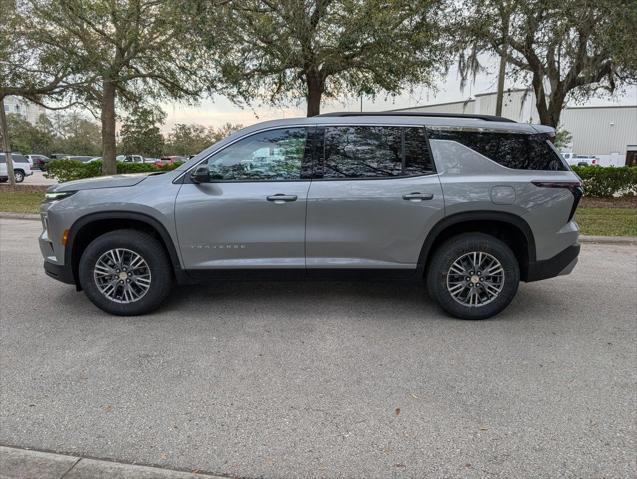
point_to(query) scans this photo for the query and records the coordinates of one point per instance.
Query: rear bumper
(560, 264)
(60, 272)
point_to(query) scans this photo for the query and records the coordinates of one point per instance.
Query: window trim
(317, 160)
(185, 177)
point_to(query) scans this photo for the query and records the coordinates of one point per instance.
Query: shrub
(68, 170)
(607, 182)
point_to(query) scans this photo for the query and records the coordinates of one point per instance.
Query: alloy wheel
(475, 279)
(122, 275)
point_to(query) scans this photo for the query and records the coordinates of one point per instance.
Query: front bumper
(560, 264)
(59, 271)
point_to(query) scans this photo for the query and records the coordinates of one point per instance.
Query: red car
(169, 160)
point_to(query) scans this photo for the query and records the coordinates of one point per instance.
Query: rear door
(374, 197)
(251, 212)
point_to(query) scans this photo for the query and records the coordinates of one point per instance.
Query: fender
(83, 221)
(480, 215)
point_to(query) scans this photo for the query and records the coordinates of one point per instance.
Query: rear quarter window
(512, 150)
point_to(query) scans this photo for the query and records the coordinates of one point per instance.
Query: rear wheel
(473, 276)
(125, 272)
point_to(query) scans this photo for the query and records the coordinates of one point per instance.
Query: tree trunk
(555, 107)
(314, 93)
(500, 94)
(5, 144)
(109, 166)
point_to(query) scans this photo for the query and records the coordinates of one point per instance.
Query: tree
(29, 69)
(27, 138)
(570, 49)
(131, 49)
(218, 134)
(77, 135)
(188, 140)
(286, 49)
(562, 138)
(140, 132)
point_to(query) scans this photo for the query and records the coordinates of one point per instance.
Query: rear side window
(360, 152)
(14, 157)
(516, 151)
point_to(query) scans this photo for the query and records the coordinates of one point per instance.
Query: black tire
(454, 249)
(4, 180)
(19, 176)
(152, 252)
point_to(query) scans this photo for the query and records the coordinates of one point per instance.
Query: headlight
(60, 195)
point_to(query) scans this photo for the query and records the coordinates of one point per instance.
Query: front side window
(275, 155)
(374, 152)
(512, 150)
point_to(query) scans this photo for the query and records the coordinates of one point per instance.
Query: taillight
(575, 187)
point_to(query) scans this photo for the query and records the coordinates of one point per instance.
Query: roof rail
(423, 114)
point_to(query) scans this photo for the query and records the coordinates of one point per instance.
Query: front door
(250, 213)
(374, 199)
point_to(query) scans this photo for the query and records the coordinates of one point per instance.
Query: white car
(21, 167)
(580, 160)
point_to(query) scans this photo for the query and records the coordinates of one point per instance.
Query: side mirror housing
(200, 175)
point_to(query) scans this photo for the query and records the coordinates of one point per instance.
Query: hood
(115, 181)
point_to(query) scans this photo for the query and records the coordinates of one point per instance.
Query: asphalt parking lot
(326, 379)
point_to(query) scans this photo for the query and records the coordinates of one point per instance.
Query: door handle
(281, 198)
(417, 196)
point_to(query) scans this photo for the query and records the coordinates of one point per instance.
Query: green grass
(20, 201)
(607, 221)
(592, 221)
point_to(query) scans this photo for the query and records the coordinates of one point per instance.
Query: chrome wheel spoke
(475, 279)
(122, 275)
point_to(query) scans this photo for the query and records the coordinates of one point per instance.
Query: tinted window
(15, 157)
(273, 155)
(517, 151)
(374, 152)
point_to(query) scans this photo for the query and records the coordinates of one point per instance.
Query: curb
(19, 216)
(618, 240)
(16, 463)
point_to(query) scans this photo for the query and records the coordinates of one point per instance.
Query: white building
(29, 110)
(608, 132)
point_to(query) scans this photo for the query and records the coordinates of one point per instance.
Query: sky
(219, 110)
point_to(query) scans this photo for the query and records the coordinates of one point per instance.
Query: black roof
(423, 114)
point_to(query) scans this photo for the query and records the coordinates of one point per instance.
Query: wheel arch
(510, 228)
(87, 228)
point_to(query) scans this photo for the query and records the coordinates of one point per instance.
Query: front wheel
(19, 176)
(126, 272)
(473, 276)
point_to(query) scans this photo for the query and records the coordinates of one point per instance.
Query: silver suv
(471, 204)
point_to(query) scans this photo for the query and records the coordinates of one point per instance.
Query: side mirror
(200, 175)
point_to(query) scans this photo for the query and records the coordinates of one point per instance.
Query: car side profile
(21, 167)
(472, 205)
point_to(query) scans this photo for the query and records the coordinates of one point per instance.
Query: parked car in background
(123, 159)
(471, 204)
(38, 161)
(81, 158)
(59, 156)
(169, 160)
(581, 160)
(21, 167)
